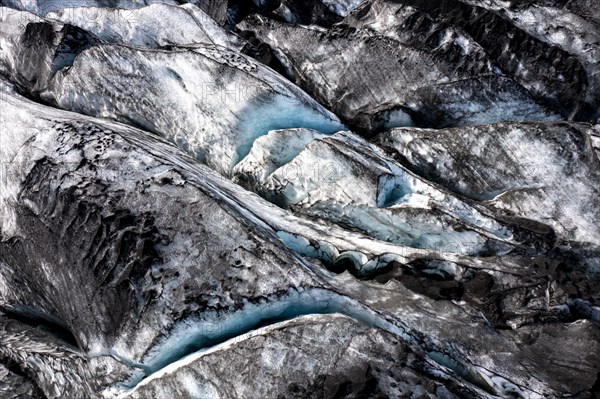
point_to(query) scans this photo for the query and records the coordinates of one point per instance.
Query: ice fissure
(191, 336)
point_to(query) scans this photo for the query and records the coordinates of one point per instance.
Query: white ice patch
(342, 7)
(504, 387)
(559, 27)
(199, 389)
(509, 107)
(151, 26)
(274, 150)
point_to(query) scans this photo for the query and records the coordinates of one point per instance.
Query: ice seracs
(375, 82)
(344, 179)
(545, 172)
(272, 151)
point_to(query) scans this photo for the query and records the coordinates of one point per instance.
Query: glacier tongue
(148, 277)
(198, 265)
(418, 218)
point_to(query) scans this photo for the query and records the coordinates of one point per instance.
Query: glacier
(329, 198)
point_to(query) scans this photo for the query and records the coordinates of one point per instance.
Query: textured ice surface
(535, 43)
(451, 263)
(338, 67)
(548, 173)
(349, 181)
(152, 26)
(43, 7)
(209, 100)
(173, 196)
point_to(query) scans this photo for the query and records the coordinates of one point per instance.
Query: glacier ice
(330, 198)
(462, 97)
(346, 180)
(547, 173)
(156, 25)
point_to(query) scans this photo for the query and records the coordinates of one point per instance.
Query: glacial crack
(195, 336)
